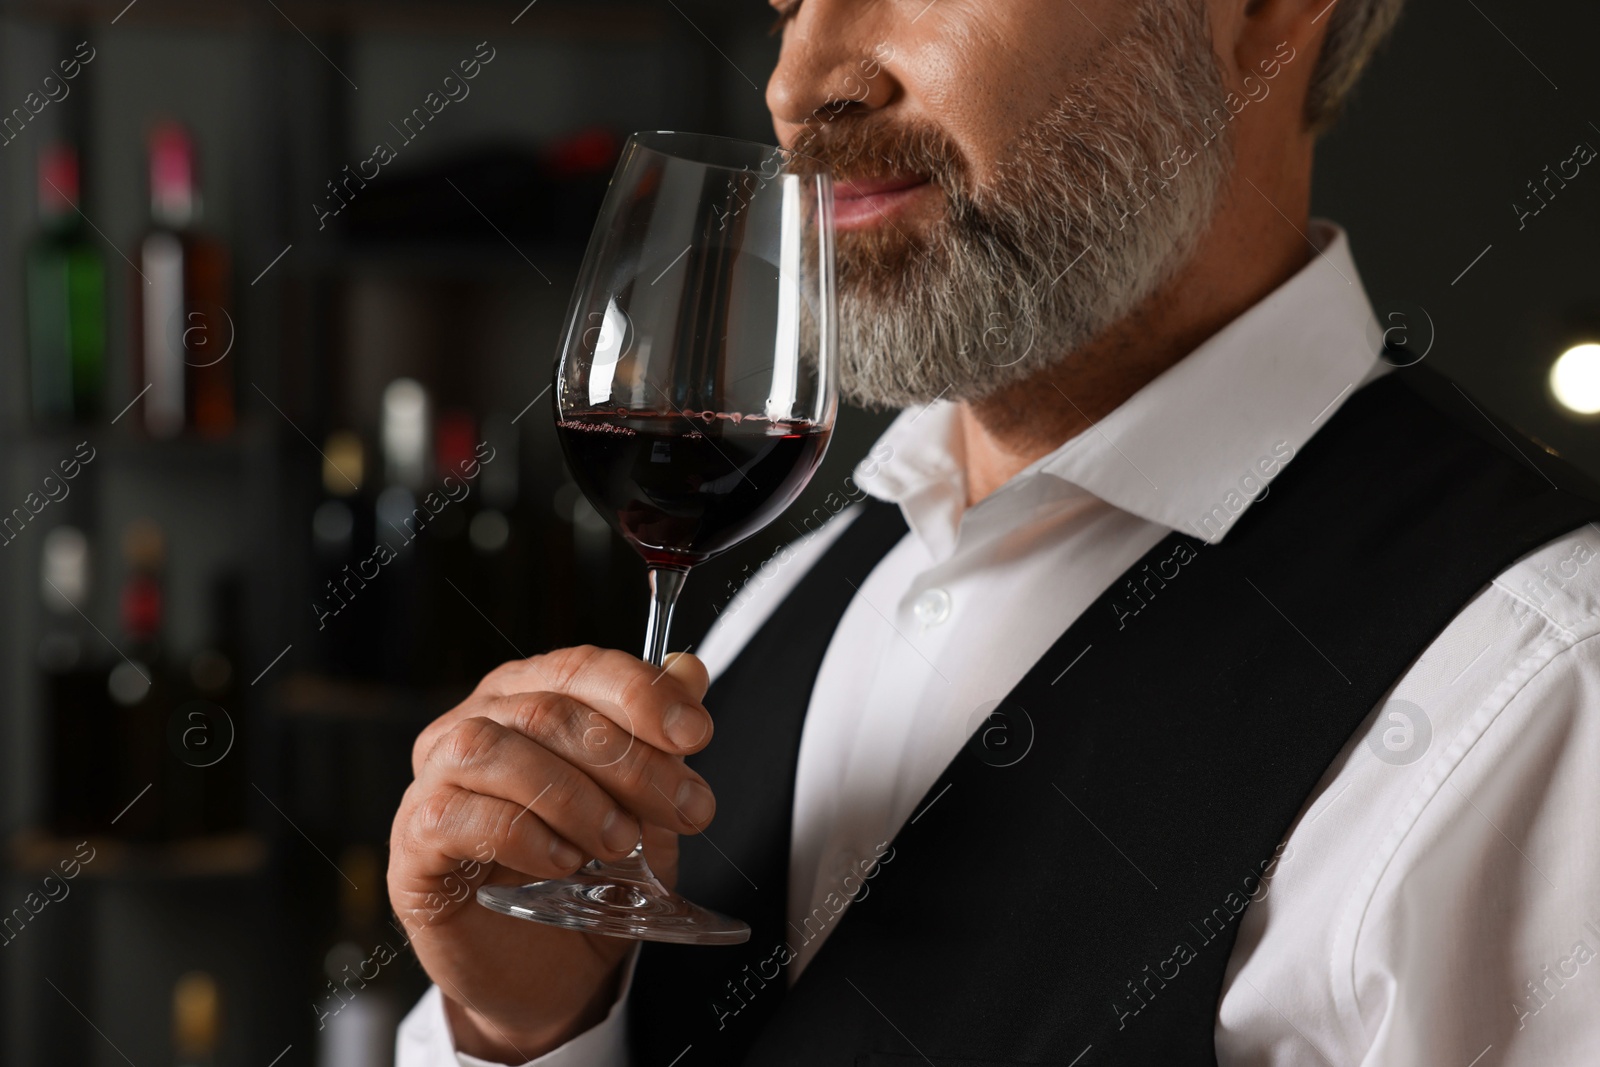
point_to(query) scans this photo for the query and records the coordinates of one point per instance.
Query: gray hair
(1355, 29)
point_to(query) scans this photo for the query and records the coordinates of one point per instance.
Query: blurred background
(239, 345)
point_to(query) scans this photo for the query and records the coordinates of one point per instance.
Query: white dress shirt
(1438, 901)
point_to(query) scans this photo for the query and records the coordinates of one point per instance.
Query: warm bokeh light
(1575, 379)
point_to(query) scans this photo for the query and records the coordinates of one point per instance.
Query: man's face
(1013, 176)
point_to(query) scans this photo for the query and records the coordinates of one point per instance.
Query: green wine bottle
(66, 285)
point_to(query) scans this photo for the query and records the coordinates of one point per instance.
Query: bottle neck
(174, 194)
(175, 209)
(58, 187)
(141, 612)
(57, 214)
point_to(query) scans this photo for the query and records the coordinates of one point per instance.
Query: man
(1194, 688)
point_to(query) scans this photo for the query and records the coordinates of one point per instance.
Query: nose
(833, 60)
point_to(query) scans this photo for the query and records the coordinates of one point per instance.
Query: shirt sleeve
(425, 1039)
(1440, 901)
(1482, 938)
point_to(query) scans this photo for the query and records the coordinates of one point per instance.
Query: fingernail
(563, 854)
(695, 802)
(686, 725)
(619, 832)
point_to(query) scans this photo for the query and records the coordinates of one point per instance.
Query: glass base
(621, 899)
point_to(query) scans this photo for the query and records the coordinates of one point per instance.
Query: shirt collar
(1195, 445)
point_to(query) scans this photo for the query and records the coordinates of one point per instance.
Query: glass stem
(665, 585)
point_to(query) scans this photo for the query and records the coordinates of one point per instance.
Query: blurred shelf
(125, 444)
(324, 697)
(238, 855)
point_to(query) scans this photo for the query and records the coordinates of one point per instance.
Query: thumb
(689, 672)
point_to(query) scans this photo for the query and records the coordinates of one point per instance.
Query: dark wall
(1455, 116)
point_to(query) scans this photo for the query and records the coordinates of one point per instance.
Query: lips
(861, 188)
(862, 202)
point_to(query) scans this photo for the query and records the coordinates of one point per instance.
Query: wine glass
(694, 398)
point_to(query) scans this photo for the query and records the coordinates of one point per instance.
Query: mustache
(875, 152)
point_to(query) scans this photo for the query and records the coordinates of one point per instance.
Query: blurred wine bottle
(406, 431)
(401, 520)
(499, 559)
(344, 640)
(491, 527)
(454, 589)
(196, 1020)
(455, 438)
(214, 676)
(205, 767)
(184, 329)
(139, 685)
(65, 300)
(82, 752)
(508, 543)
(357, 1007)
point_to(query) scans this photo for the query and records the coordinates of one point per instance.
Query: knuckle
(422, 748)
(403, 830)
(602, 743)
(440, 814)
(472, 742)
(498, 827)
(506, 675)
(567, 788)
(419, 751)
(636, 771)
(637, 692)
(563, 666)
(445, 820)
(426, 741)
(544, 716)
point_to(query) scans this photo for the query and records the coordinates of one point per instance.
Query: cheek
(986, 69)
(977, 111)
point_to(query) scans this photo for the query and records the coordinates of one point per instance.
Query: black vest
(1068, 890)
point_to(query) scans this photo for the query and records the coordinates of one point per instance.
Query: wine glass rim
(675, 144)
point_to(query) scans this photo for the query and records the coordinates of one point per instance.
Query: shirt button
(932, 607)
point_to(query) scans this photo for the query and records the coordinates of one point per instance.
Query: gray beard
(1102, 200)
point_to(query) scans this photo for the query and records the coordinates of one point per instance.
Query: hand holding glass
(694, 398)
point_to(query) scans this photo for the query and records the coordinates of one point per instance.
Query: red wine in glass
(682, 487)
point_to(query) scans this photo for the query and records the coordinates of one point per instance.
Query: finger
(484, 756)
(522, 743)
(631, 693)
(657, 786)
(442, 827)
(660, 705)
